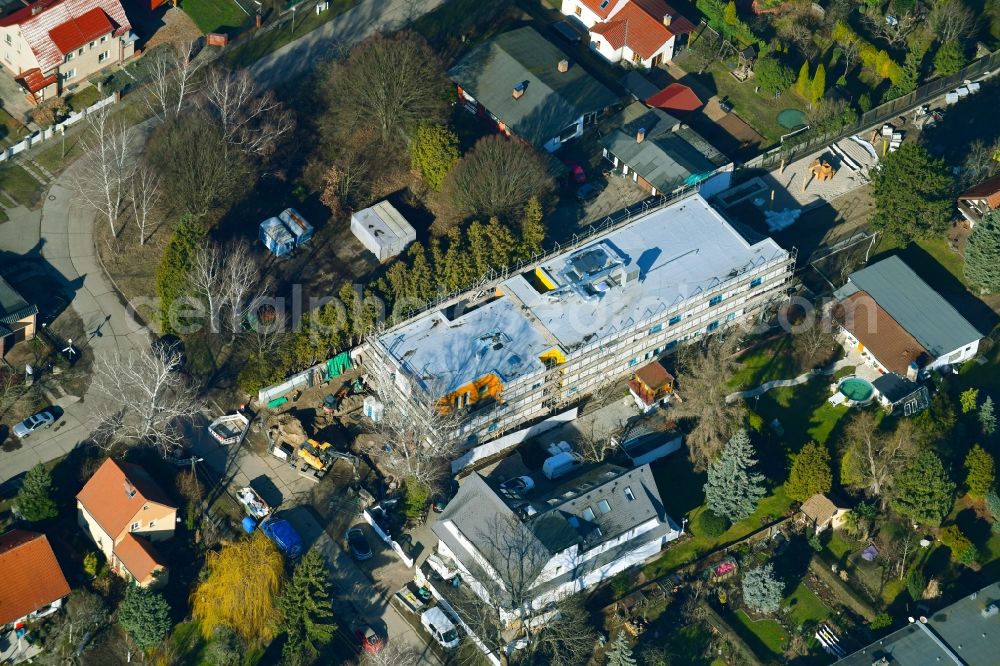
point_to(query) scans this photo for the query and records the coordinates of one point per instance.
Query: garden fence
(58, 129)
(880, 114)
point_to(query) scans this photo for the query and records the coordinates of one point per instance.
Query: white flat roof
(653, 263)
(386, 224)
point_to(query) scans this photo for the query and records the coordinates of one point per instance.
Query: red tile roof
(138, 556)
(595, 6)
(881, 335)
(989, 189)
(675, 97)
(34, 81)
(106, 495)
(31, 576)
(50, 26)
(638, 27)
(78, 31)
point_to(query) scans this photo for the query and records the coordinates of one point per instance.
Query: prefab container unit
(297, 224)
(276, 237)
(383, 230)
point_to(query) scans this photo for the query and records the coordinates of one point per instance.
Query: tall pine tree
(34, 501)
(982, 254)
(620, 653)
(305, 605)
(987, 419)
(923, 491)
(734, 488)
(818, 86)
(802, 83)
(532, 229)
(810, 473)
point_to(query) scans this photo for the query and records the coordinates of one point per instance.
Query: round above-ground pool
(856, 389)
(791, 119)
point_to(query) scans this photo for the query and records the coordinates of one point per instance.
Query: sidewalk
(354, 25)
(65, 230)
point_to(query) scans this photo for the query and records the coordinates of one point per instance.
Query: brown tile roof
(989, 189)
(30, 578)
(654, 375)
(879, 333)
(106, 495)
(819, 508)
(138, 556)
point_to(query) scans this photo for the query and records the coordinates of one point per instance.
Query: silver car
(42, 419)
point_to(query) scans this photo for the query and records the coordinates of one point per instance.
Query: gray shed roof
(670, 156)
(552, 99)
(12, 305)
(923, 312)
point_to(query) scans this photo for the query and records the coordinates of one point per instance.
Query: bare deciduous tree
(172, 72)
(395, 653)
(228, 278)
(872, 458)
(498, 177)
(144, 192)
(414, 438)
(145, 398)
(703, 374)
(980, 162)
(950, 20)
(206, 280)
(503, 606)
(894, 33)
(390, 83)
(250, 119)
(814, 345)
(102, 180)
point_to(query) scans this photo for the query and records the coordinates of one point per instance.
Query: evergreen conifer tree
(305, 605)
(34, 500)
(734, 488)
(620, 653)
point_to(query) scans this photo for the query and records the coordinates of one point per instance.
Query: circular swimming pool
(856, 389)
(791, 119)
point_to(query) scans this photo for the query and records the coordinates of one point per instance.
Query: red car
(369, 640)
(576, 172)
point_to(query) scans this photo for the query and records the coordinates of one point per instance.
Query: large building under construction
(528, 344)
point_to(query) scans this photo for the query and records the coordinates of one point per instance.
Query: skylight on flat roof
(604, 506)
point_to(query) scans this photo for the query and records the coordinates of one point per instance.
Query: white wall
(959, 355)
(585, 16)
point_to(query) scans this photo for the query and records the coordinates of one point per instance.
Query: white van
(440, 627)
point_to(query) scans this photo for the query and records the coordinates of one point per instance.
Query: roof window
(588, 514)
(628, 494)
(604, 506)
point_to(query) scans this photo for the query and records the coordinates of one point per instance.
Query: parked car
(588, 191)
(576, 172)
(440, 627)
(358, 543)
(42, 419)
(370, 641)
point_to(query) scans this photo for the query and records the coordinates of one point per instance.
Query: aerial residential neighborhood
(519, 333)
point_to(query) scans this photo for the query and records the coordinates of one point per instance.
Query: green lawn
(763, 636)
(83, 99)
(252, 50)
(803, 412)
(759, 111)
(216, 15)
(20, 185)
(804, 606)
(772, 360)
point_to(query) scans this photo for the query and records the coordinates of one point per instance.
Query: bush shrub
(711, 525)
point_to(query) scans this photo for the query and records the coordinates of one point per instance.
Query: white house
(643, 33)
(889, 315)
(569, 534)
(383, 230)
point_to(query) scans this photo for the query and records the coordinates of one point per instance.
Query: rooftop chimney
(640, 136)
(564, 65)
(518, 91)
(667, 19)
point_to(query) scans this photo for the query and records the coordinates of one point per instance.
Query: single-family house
(900, 395)
(32, 584)
(979, 200)
(52, 46)
(641, 33)
(530, 89)
(818, 513)
(889, 315)
(123, 510)
(528, 540)
(17, 318)
(662, 154)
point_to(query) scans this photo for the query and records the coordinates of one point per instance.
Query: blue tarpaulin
(283, 535)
